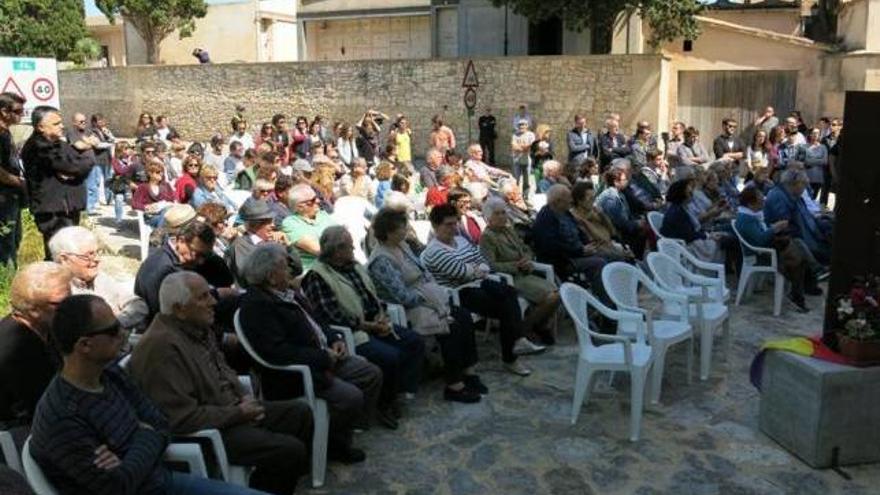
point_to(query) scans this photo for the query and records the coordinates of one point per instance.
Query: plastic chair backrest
(621, 282)
(655, 220)
(243, 340)
(666, 270)
(576, 300)
(748, 250)
(674, 250)
(34, 473)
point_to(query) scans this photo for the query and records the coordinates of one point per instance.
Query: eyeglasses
(264, 191)
(111, 331)
(309, 201)
(211, 177)
(84, 257)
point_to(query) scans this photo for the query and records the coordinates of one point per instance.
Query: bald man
(79, 130)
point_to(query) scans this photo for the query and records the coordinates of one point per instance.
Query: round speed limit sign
(43, 89)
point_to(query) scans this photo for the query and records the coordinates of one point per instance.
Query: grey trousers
(352, 394)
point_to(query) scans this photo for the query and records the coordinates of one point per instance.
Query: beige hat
(178, 215)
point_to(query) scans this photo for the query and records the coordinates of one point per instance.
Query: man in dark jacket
(259, 226)
(581, 142)
(55, 172)
(278, 324)
(12, 185)
(559, 242)
(728, 146)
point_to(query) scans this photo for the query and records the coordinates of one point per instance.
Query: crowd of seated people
(245, 233)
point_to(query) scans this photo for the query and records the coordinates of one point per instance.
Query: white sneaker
(517, 369)
(525, 346)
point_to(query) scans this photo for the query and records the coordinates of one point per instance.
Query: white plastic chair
(655, 220)
(617, 353)
(621, 282)
(687, 259)
(189, 454)
(352, 212)
(10, 452)
(706, 313)
(318, 406)
(538, 201)
(423, 230)
(144, 232)
(751, 267)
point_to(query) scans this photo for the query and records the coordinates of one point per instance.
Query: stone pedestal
(813, 407)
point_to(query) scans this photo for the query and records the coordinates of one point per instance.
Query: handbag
(431, 318)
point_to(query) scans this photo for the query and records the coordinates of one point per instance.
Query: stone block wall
(200, 99)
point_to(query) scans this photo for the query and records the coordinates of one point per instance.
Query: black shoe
(386, 418)
(474, 383)
(348, 455)
(465, 395)
(813, 291)
(799, 303)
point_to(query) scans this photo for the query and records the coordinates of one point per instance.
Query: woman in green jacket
(507, 253)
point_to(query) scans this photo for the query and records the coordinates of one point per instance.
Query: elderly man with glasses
(304, 227)
(76, 248)
(27, 359)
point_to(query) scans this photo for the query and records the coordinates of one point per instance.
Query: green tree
(41, 28)
(669, 19)
(154, 20)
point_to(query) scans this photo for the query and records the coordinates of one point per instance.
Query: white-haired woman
(507, 253)
(552, 171)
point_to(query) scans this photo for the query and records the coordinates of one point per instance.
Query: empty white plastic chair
(655, 220)
(695, 265)
(354, 212)
(615, 353)
(621, 282)
(706, 312)
(318, 406)
(423, 230)
(751, 267)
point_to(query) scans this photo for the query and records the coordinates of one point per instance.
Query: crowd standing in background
(295, 229)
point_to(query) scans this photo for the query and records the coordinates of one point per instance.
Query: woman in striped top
(454, 261)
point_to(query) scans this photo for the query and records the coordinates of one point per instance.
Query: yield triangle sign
(12, 87)
(470, 76)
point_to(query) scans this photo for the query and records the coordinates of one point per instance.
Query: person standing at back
(55, 172)
(12, 185)
(488, 135)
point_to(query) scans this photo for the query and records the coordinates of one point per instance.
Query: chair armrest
(397, 314)
(349, 337)
(190, 454)
(546, 270)
(10, 452)
(501, 277)
(216, 440)
(247, 383)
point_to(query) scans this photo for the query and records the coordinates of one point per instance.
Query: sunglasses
(309, 201)
(211, 177)
(111, 331)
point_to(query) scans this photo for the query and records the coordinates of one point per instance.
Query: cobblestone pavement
(702, 439)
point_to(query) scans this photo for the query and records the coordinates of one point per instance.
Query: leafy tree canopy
(154, 20)
(669, 19)
(41, 28)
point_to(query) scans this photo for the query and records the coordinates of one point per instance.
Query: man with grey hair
(438, 194)
(559, 241)
(428, 174)
(519, 213)
(179, 365)
(552, 174)
(785, 202)
(304, 227)
(27, 358)
(277, 321)
(55, 170)
(77, 249)
(478, 170)
(342, 293)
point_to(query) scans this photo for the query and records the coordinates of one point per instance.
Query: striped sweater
(70, 423)
(453, 265)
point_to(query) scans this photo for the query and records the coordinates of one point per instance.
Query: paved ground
(702, 440)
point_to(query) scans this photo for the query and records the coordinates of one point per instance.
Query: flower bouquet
(858, 320)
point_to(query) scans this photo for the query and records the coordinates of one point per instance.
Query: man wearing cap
(303, 229)
(259, 226)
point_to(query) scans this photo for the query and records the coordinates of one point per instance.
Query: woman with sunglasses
(153, 196)
(146, 128)
(209, 192)
(188, 182)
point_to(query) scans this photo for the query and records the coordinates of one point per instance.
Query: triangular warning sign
(470, 76)
(12, 87)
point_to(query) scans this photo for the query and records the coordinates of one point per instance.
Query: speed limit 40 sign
(34, 79)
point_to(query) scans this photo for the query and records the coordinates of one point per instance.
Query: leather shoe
(465, 395)
(348, 455)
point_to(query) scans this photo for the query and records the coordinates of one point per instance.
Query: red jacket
(185, 187)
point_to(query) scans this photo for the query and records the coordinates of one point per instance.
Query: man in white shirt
(477, 170)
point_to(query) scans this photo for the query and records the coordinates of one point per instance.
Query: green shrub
(30, 250)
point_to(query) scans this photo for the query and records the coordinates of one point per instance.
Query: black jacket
(280, 333)
(55, 173)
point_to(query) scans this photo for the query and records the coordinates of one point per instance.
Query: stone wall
(200, 99)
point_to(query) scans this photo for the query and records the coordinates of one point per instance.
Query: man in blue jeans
(11, 183)
(93, 430)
